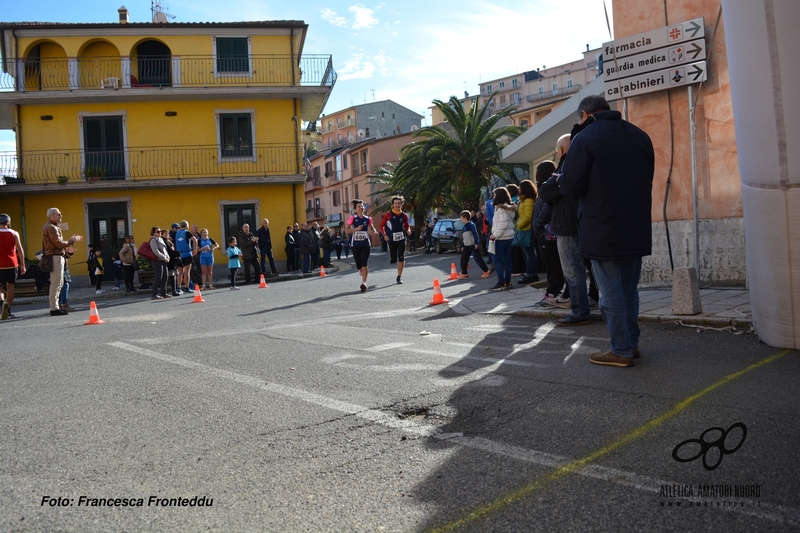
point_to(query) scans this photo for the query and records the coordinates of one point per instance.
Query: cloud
(363, 17)
(333, 18)
(357, 67)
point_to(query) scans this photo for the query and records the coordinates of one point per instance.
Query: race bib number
(360, 236)
(398, 236)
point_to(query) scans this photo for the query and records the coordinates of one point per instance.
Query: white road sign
(656, 81)
(654, 39)
(670, 56)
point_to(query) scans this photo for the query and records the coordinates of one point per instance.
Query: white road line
(473, 357)
(766, 511)
(575, 346)
(390, 346)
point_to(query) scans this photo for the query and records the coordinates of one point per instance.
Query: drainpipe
(296, 156)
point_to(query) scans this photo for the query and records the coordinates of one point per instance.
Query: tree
(448, 165)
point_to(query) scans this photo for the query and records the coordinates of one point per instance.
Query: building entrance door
(108, 227)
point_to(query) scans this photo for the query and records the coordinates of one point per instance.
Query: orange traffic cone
(322, 273)
(438, 297)
(453, 272)
(263, 284)
(94, 318)
(198, 298)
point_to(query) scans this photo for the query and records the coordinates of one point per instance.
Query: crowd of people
(586, 221)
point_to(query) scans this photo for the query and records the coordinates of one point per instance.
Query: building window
(236, 216)
(541, 90)
(233, 54)
(344, 162)
(337, 198)
(514, 83)
(236, 134)
(555, 86)
(355, 192)
(364, 162)
(523, 123)
(316, 173)
(502, 84)
(502, 99)
(489, 89)
(355, 165)
(569, 83)
(103, 146)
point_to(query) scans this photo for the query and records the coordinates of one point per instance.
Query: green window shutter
(232, 54)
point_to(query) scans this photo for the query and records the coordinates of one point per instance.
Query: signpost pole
(693, 152)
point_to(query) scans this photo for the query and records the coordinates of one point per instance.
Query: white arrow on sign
(657, 59)
(654, 39)
(660, 80)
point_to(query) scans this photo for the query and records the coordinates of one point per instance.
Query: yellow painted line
(522, 492)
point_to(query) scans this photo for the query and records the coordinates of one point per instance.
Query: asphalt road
(309, 406)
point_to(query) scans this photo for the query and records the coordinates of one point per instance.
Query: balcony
(313, 183)
(103, 73)
(127, 79)
(334, 177)
(551, 94)
(315, 213)
(346, 123)
(146, 163)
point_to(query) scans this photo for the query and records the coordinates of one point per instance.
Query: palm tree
(451, 164)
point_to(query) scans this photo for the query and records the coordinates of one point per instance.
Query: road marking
(576, 466)
(563, 465)
(575, 346)
(390, 346)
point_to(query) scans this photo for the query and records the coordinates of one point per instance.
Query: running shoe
(486, 274)
(463, 276)
(363, 287)
(399, 281)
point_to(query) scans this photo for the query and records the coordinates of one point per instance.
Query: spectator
(128, 256)
(248, 245)
(234, 260)
(116, 271)
(159, 250)
(610, 170)
(502, 235)
(289, 250)
(265, 247)
(206, 246)
(326, 240)
(525, 223)
(306, 247)
(470, 247)
(96, 264)
(546, 241)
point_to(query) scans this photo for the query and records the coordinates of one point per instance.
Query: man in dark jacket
(265, 246)
(248, 243)
(610, 170)
(565, 224)
(296, 236)
(306, 247)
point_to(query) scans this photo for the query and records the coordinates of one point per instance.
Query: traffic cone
(263, 284)
(322, 273)
(438, 297)
(453, 272)
(198, 298)
(94, 318)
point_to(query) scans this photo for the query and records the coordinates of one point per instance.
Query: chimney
(123, 15)
(587, 47)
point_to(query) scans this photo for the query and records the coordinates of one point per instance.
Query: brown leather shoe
(611, 359)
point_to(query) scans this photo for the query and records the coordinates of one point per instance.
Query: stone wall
(722, 252)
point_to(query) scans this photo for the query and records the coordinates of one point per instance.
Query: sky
(410, 51)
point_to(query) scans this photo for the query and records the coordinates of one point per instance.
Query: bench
(26, 288)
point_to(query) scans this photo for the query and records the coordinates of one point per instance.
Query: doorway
(108, 227)
(235, 217)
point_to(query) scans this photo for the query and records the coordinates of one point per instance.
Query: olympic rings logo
(706, 446)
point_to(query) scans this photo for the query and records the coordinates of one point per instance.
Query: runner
(359, 226)
(395, 228)
(12, 257)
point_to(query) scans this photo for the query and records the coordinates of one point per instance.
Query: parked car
(446, 235)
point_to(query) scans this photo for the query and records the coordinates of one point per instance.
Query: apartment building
(366, 121)
(125, 126)
(340, 175)
(536, 93)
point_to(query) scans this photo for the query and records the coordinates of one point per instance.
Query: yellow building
(125, 126)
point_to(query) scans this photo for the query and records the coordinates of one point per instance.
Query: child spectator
(470, 246)
(116, 271)
(234, 261)
(96, 266)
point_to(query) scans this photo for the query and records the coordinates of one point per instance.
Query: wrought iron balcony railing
(145, 163)
(98, 73)
(313, 183)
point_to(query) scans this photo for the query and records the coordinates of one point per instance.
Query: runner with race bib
(395, 228)
(359, 226)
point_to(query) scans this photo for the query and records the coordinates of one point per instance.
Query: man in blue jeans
(610, 168)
